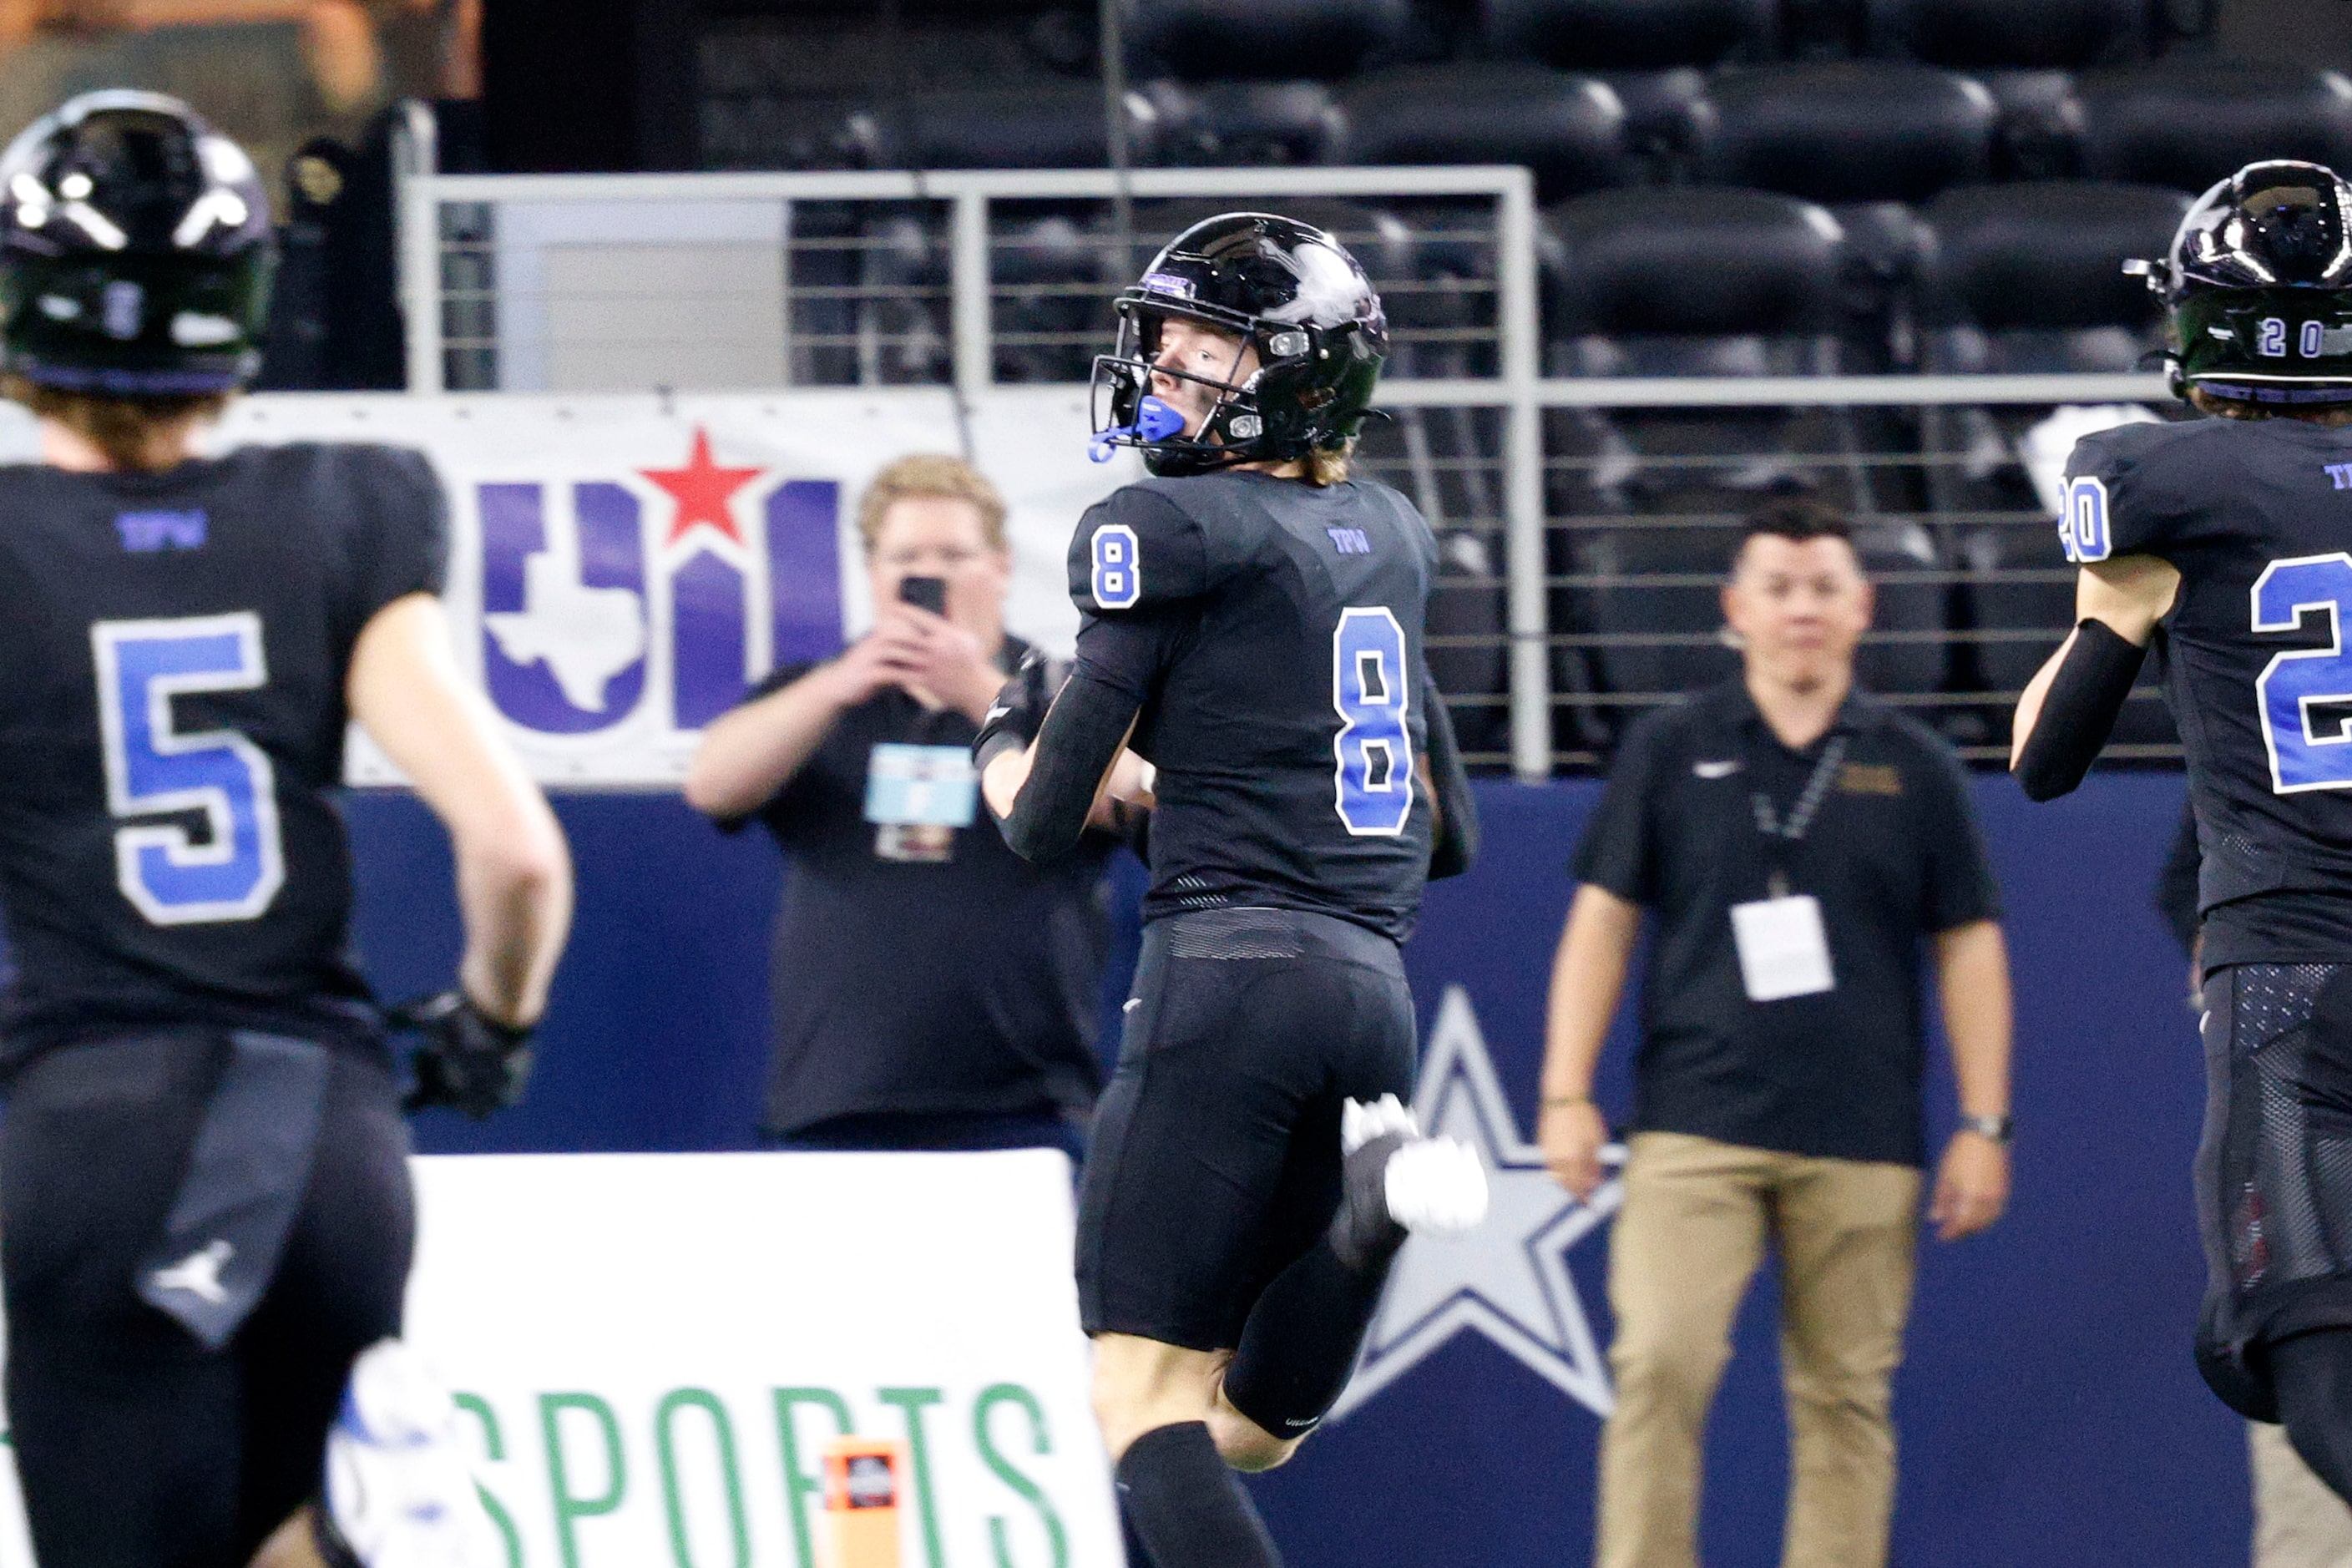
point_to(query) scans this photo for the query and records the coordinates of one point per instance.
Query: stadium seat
(2046, 35)
(1052, 274)
(1631, 34)
(1847, 131)
(2039, 135)
(1569, 130)
(1663, 111)
(1202, 40)
(2022, 279)
(1700, 281)
(2188, 126)
(1040, 124)
(1244, 125)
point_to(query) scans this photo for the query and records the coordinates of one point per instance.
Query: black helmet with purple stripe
(136, 251)
(1285, 289)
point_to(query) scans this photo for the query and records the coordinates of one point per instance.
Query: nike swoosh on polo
(1716, 770)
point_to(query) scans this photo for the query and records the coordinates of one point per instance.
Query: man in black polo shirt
(931, 989)
(1795, 842)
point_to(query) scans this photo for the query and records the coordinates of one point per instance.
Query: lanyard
(1792, 829)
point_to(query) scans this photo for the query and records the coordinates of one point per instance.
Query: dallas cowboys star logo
(1509, 1279)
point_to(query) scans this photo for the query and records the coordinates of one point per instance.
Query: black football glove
(467, 1058)
(1019, 710)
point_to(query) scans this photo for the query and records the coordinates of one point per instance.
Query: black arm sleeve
(2079, 711)
(1014, 718)
(1080, 739)
(1456, 844)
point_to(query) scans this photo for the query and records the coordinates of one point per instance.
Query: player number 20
(2308, 749)
(153, 770)
(1374, 748)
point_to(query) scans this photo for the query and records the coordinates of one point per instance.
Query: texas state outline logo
(593, 589)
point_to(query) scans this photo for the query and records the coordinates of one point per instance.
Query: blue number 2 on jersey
(2296, 679)
(1369, 688)
(152, 769)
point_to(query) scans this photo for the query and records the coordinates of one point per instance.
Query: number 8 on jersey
(1374, 748)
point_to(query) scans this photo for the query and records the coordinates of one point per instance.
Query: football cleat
(399, 1493)
(1395, 1182)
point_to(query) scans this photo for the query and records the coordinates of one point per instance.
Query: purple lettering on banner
(706, 598)
(804, 570)
(560, 656)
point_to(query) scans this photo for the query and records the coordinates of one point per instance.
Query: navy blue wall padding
(1847, 131)
(2048, 1414)
(2039, 34)
(2189, 125)
(2047, 255)
(1690, 260)
(1244, 123)
(1208, 39)
(1569, 130)
(1633, 35)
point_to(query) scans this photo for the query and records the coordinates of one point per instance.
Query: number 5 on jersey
(151, 770)
(1369, 688)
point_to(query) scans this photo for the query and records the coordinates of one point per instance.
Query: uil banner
(623, 568)
(651, 1353)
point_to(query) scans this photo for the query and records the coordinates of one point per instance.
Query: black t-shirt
(1272, 631)
(920, 967)
(1892, 855)
(2257, 515)
(173, 653)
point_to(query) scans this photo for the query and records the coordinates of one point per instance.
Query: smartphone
(925, 593)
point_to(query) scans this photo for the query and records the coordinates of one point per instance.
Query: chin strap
(2079, 711)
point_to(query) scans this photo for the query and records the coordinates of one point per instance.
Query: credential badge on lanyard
(1783, 946)
(917, 796)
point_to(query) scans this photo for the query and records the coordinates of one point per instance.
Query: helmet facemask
(1130, 412)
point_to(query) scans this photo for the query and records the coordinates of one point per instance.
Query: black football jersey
(1285, 700)
(2257, 516)
(172, 652)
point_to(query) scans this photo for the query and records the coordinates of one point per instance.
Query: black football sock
(1187, 1507)
(1300, 1341)
(2313, 1374)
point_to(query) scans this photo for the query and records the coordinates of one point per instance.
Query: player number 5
(2304, 754)
(153, 770)
(1374, 748)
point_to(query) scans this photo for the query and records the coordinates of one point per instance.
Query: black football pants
(137, 1448)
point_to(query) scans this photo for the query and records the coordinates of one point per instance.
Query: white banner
(623, 566)
(651, 1353)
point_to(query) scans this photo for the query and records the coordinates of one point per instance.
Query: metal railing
(1555, 581)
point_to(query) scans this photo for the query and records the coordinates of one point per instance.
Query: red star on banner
(701, 490)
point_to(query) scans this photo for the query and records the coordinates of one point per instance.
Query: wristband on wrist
(1552, 1100)
(1995, 1129)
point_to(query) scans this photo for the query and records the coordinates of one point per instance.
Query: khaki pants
(1687, 1242)
(2298, 1522)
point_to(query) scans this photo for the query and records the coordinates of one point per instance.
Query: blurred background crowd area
(274, 73)
(1726, 189)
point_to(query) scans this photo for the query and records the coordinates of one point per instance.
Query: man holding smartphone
(931, 989)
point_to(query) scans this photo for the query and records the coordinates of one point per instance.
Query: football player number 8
(169, 875)
(1369, 686)
(2307, 751)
